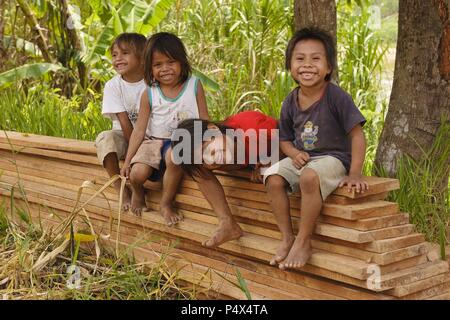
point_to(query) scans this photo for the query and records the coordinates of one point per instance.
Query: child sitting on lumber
(172, 95)
(321, 134)
(121, 104)
(241, 141)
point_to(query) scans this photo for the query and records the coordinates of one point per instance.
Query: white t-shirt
(166, 113)
(119, 96)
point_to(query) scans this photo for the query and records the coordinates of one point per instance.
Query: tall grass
(23, 242)
(42, 110)
(239, 43)
(425, 188)
(361, 54)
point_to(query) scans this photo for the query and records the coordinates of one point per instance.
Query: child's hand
(354, 181)
(125, 171)
(300, 159)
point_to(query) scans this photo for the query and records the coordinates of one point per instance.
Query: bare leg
(111, 164)
(138, 175)
(311, 204)
(276, 187)
(228, 229)
(171, 180)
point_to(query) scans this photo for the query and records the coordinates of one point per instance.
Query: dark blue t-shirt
(323, 128)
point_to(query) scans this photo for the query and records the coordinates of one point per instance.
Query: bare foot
(282, 250)
(170, 216)
(227, 231)
(298, 255)
(126, 199)
(138, 204)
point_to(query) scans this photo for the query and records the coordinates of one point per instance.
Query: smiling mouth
(307, 75)
(166, 76)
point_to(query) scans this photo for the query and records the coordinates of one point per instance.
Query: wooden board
(409, 289)
(354, 232)
(312, 283)
(49, 143)
(380, 246)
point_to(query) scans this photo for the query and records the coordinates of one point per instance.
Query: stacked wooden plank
(364, 248)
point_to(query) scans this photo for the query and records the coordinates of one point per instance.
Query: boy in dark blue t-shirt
(321, 134)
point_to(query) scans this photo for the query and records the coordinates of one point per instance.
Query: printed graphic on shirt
(133, 115)
(309, 136)
(178, 116)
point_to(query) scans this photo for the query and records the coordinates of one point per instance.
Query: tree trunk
(37, 30)
(317, 13)
(74, 41)
(420, 94)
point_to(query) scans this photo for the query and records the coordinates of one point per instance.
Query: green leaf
(35, 70)
(147, 17)
(243, 284)
(153, 15)
(207, 82)
(118, 28)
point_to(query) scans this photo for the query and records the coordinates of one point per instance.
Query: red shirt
(252, 120)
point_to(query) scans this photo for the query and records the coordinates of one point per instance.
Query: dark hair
(189, 124)
(170, 45)
(313, 33)
(135, 40)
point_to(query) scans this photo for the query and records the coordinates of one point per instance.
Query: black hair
(136, 41)
(313, 33)
(170, 45)
(192, 168)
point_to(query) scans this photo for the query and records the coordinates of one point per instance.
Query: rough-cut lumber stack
(364, 248)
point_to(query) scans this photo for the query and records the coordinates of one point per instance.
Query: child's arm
(354, 177)
(299, 158)
(138, 134)
(201, 102)
(125, 124)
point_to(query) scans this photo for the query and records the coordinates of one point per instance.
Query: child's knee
(309, 181)
(275, 182)
(139, 173)
(169, 161)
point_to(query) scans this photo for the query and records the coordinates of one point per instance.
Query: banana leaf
(26, 71)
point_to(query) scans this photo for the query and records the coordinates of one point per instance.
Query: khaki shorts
(149, 153)
(329, 169)
(111, 141)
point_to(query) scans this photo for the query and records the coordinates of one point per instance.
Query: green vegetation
(422, 193)
(43, 110)
(239, 47)
(25, 274)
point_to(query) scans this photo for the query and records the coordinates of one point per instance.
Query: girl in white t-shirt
(172, 95)
(121, 104)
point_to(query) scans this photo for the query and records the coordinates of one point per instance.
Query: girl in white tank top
(172, 95)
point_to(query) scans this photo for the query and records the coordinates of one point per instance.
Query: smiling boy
(121, 98)
(321, 134)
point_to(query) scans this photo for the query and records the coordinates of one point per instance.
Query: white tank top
(166, 113)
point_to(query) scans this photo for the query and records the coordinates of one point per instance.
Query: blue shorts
(158, 174)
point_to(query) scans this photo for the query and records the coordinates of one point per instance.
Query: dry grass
(35, 262)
